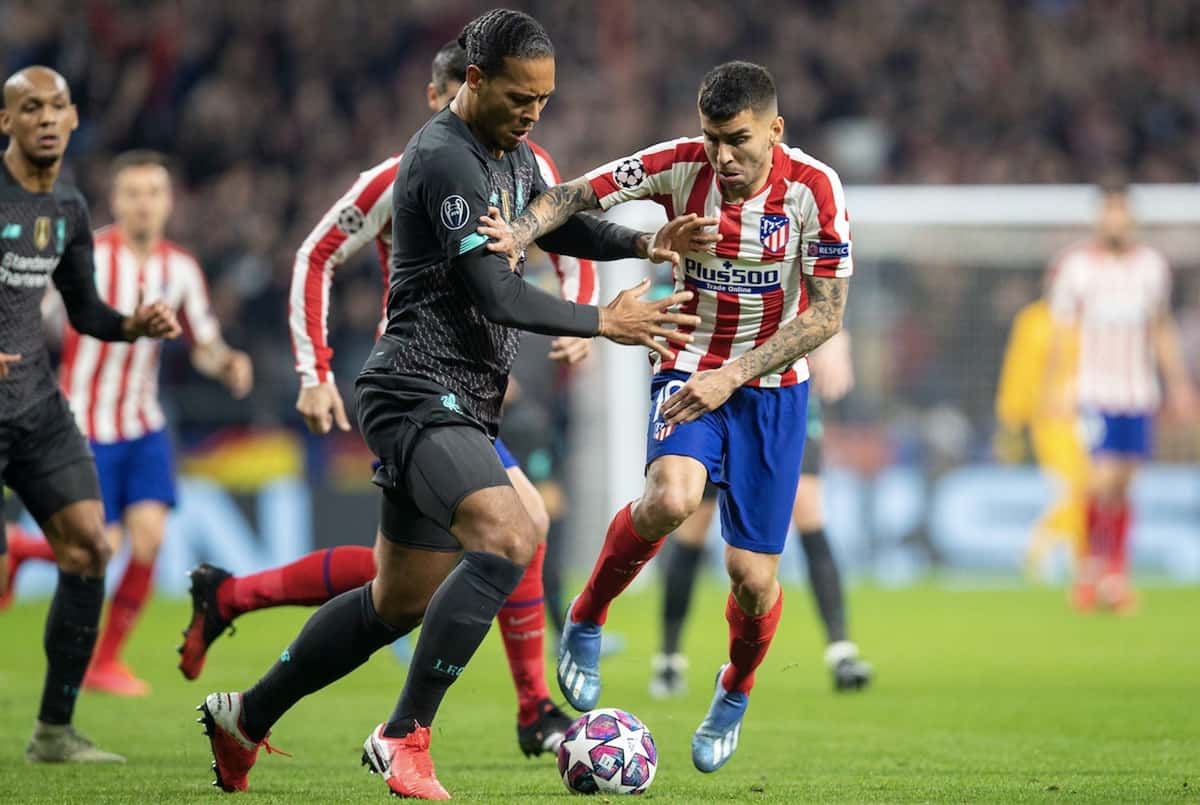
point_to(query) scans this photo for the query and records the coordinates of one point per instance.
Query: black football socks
(339, 637)
(678, 581)
(826, 583)
(71, 627)
(457, 619)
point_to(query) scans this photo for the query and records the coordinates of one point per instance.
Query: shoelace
(272, 750)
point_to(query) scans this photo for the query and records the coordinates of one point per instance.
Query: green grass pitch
(981, 696)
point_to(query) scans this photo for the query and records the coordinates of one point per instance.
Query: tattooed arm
(707, 391)
(551, 209)
(554, 221)
(797, 338)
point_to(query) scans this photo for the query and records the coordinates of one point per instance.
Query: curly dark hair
(502, 33)
(733, 86)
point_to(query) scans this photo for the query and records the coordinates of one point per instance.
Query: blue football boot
(579, 663)
(716, 738)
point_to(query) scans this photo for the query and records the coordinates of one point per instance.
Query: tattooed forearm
(551, 209)
(813, 327)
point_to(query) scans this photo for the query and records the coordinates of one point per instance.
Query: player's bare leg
(752, 610)
(145, 524)
(849, 671)
(668, 669)
(674, 488)
(76, 533)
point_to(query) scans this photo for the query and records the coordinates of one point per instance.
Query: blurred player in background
(730, 406)
(454, 538)
(364, 215)
(832, 375)
(113, 390)
(45, 233)
(1022, 394)
(1117, 293)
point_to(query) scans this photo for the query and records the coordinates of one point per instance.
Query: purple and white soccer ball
(607, 751)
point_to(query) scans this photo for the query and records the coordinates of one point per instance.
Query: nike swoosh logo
(515, 621)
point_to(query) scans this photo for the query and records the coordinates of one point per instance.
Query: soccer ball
(607, 751)
(629, 173)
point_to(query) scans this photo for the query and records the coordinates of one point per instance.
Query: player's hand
(155, 320)
(831, 368)
(630, 319)
(570, 350)
(680, 235)
(500, 236)
(322, 408)
(7, 360)
(238, 374)
(704, 392)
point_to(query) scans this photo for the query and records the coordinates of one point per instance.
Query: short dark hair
(138, 158)
(733, 86)
(502, 33)
(449, 64)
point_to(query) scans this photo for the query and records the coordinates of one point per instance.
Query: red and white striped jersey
(113, 386)
(1113, 299)
(362, 215)
(751, 284)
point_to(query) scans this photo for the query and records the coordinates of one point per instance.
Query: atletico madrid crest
(773, 231)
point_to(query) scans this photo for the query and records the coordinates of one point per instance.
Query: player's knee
(664, 508)
(513, 538)
(753, 584)
(87, 554)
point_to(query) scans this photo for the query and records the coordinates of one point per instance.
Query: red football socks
(623, 556)
(310, 580)
(127, 602)
(1108, 535)
(522, 628)
(749, 639)
(22, 545)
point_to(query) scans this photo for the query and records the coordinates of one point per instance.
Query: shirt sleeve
(644, 174)
(825, 249)
(452, 190)
(356, 219)
(196, 314)
(75, 279)
(1064, 291)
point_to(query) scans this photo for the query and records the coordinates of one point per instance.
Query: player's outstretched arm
(707, 391)
(551, 209)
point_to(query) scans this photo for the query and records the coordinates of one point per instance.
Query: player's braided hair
(449, 64)
(502, 33)
(733, 86)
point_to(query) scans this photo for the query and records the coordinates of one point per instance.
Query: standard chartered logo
(26, 272)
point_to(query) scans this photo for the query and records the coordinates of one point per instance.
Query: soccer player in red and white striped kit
(113, 391)
(730, 405)
(363, 215)
(1116, 293)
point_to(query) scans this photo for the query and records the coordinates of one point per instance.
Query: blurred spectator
(270, 109)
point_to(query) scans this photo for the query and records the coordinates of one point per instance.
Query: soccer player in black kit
(45, 233)
(453, 536)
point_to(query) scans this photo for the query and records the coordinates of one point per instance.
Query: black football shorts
(45, 459)
(432, 456)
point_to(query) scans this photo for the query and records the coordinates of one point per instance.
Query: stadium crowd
(270, 109)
